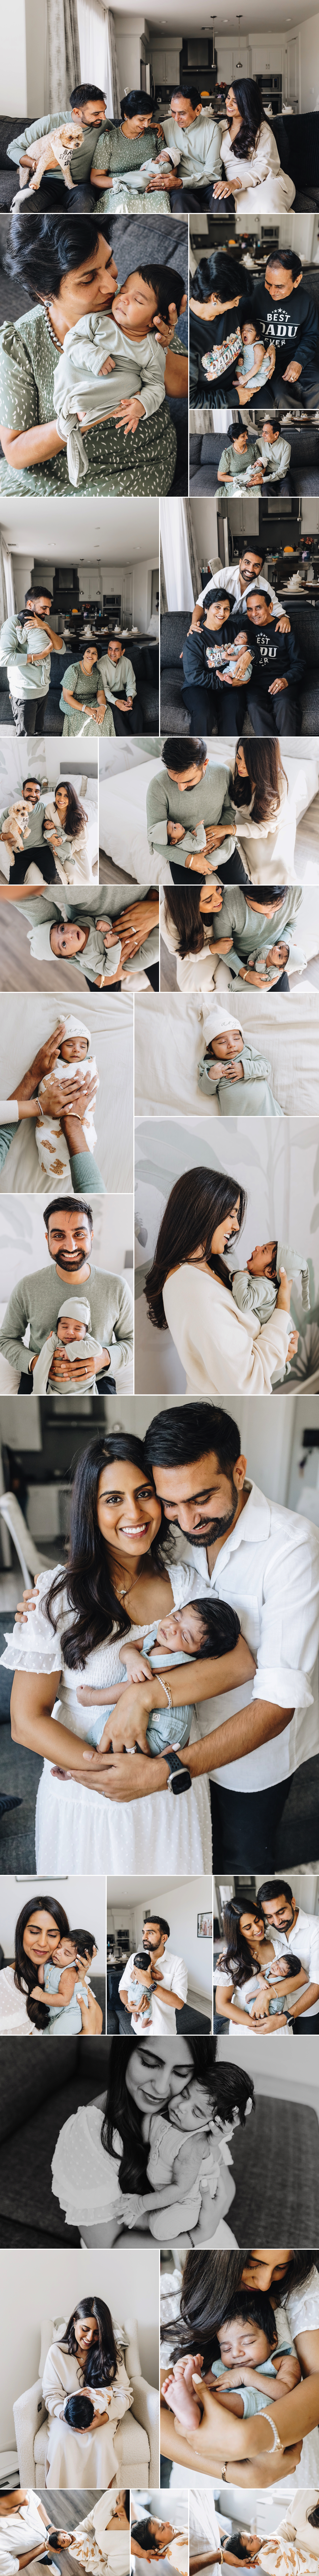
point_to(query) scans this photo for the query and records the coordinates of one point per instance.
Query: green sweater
(207, 803)
(250, 930)
(36, 1301)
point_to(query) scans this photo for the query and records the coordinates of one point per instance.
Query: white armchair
(137, 2437)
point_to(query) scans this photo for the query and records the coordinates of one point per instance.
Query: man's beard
(211, 1530)
(74, 1263)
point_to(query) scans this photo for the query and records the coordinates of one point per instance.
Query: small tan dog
(17, 826)
(51, 148)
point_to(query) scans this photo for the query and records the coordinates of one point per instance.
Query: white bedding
(110, 1018)
(122, 808)
(169, 1039)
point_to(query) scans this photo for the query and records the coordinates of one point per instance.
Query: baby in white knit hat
(73, 1056)
(72, 1339)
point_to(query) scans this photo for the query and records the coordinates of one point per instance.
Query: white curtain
(98, 51)
(9, 582)
(180, 559)
(64, 51)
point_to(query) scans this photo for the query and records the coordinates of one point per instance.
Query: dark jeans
(105, 1380)
(305, 2025)
(275, 1829)
(28, 714)
(230, 870)
(128, 720)
(304, 393)
(53, 193)
(43, 859)
(228, 704)
(273, 715)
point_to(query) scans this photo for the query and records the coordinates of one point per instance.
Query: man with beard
(37, 1301)
(264, 1560)
(288, 322)
(165, 1975)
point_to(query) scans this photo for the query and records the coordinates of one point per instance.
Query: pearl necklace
(57, 344)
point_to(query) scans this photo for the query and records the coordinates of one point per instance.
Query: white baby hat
(293, 1263)
(75, 1028)
(79, 1308)
(217, 1020)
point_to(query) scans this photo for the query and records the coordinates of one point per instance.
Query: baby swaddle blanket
(88, 1349)
(52, 1145)
(82, 394)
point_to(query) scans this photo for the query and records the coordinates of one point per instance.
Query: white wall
(128, 32)
(47, 2284)
(267, 1436)
(83, 1900)
(308, 33)
(142, 594)
(274, 2074)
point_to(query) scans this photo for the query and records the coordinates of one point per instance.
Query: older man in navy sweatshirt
(288, 320)
(273, 696)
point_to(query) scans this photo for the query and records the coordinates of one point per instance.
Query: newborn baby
(256, 364)
(167, 159)
(73, 1319)
(138, 1992)
(228, 1058)
(169, 2160)
(250, 2357)
(286, 1971)
(36, 636)
(101, 367)
(205, 1627)
(57, 1978)
(224, 658)
(80, 2409)
(257, 1287)
(73, 1054)
(264, 960)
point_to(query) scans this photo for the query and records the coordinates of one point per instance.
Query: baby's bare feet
(178, 2394)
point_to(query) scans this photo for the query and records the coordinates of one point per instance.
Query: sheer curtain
(8, 569)
(64, 51)
(98, 51)
(180, 558)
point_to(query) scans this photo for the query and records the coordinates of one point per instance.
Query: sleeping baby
(256, 1288)
(72, 1330)
(205, 1627)
(108, 360)
(252, 2366)
(73, 1056)
(256, 365)
(287, 1974)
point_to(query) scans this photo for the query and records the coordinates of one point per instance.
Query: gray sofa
(303, 475)
(174, 715)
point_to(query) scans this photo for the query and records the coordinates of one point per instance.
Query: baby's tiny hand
(108, 365)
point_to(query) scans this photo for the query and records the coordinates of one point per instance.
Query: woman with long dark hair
(189, 1289)
(68, 279)
(40, 1927)
(85, 2358)
(72, 816)
(209, 2282)
(219, 303)
(65, 1655)
(265, 809)
(166, 2108)
(248, 152)
(247, 1949)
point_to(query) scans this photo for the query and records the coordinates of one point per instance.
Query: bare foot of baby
(178, 2393)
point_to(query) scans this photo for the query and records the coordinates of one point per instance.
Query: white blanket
(169, 1038)
(110, 1019)
(123, 823)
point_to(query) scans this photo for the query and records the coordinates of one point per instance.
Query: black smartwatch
(179, 1778)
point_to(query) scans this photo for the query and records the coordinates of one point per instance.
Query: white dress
(13, 2010)
(262, 182)
(86, 2183)
(76, 1828)
(99, 2542)
(21, 2530)
(268, 847)
(80, 2459)
(218, 1355)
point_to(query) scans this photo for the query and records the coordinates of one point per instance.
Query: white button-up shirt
(173, 1974)
(268, 1569)
(303, 1940)
(227, 578)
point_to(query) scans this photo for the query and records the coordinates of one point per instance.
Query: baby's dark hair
(146, 2538)
(220, 1624)
(79, 2411)
(142, 1958)
(168, 286)
(238, 2543)
(314, 2517)
(272, 1265)
(254, 2309)
(84, 1941)
(291, 1963)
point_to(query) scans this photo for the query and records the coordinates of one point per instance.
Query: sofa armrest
(29, 2412)
(146, 2412)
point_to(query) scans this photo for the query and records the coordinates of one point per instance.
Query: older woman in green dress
(122, 148)
(41, 253)
(82, 702)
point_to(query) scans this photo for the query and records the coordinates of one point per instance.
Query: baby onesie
(82, 393)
